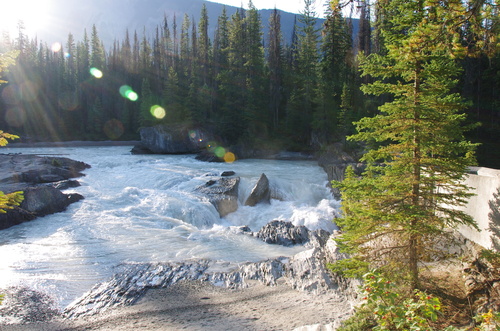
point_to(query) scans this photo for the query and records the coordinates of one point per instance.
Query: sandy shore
(195, 305)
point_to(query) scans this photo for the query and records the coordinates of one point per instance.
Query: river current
(144, 208)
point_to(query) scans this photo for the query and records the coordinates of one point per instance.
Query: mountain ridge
(113, 18)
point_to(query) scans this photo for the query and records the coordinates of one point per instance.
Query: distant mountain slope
(113, 17)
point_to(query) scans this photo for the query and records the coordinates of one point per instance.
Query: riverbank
(196, 305)
(74, 143)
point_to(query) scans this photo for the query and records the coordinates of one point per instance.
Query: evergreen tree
(147, 101)
(418, 155)
(98, 57)
(203, 46)
(255, 92)
(334, 67)
(302, 96)
(275, 63)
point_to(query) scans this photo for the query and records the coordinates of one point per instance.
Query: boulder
(41, 179)
(66, 184)
(171, 139)
(283, 233)
(260, 193)
(227, 173)
(19, 171)
(208, 156)
(222, 193)
(38, 201)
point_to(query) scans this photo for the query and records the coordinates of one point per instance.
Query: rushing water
(144, 208)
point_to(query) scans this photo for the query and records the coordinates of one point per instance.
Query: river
(144, 208)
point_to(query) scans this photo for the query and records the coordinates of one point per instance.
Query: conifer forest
(244, 86)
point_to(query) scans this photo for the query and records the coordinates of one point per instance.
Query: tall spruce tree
(418, 156)
(301, 102)
(255, 91)
(334, 67)
(275, 64)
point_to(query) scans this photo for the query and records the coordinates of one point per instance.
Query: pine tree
(275, 63)
(334, 67)
(203, 46)
(97, 58)
(256, 95)
(418, 155)
(301, 103)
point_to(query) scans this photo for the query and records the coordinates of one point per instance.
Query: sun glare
(34, 15)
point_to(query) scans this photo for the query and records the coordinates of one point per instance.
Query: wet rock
(38, 201)
(66, 184)
(227, 174)
(40, 178)
(283, 233)
(140, 149)
(222, 193)
(260, 193)
(171, 139)
(208, 156)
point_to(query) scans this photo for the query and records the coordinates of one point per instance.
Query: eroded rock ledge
(41, 178)
(305, 271)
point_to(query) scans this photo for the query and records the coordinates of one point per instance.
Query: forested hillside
(245, 85)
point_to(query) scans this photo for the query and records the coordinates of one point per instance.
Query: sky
(292, 6)
(34, 13)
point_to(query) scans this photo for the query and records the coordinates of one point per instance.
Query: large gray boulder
(283, 233)
(41, 179)
(38, 201)
(260, 193)
(286, 234)
(222, 193)
(171, 139)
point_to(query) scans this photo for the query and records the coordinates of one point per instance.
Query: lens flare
(220, 152)
(56, 47)
(128, 93)
(15, 116)
(158, 112)
(114, 129)
(96, 73)
(229, 157)
(29, 90)
(11, 95)
(68, 101)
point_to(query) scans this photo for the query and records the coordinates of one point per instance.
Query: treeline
(244, 86)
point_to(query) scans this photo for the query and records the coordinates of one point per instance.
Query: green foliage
(488, 321)
(491, 256)
(418, 156)
(2, 296)
(393, 310)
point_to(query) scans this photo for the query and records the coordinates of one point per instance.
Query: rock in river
(38, 177)
(222, 193)
(260, 193)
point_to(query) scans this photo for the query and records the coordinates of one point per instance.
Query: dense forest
(242, 85)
